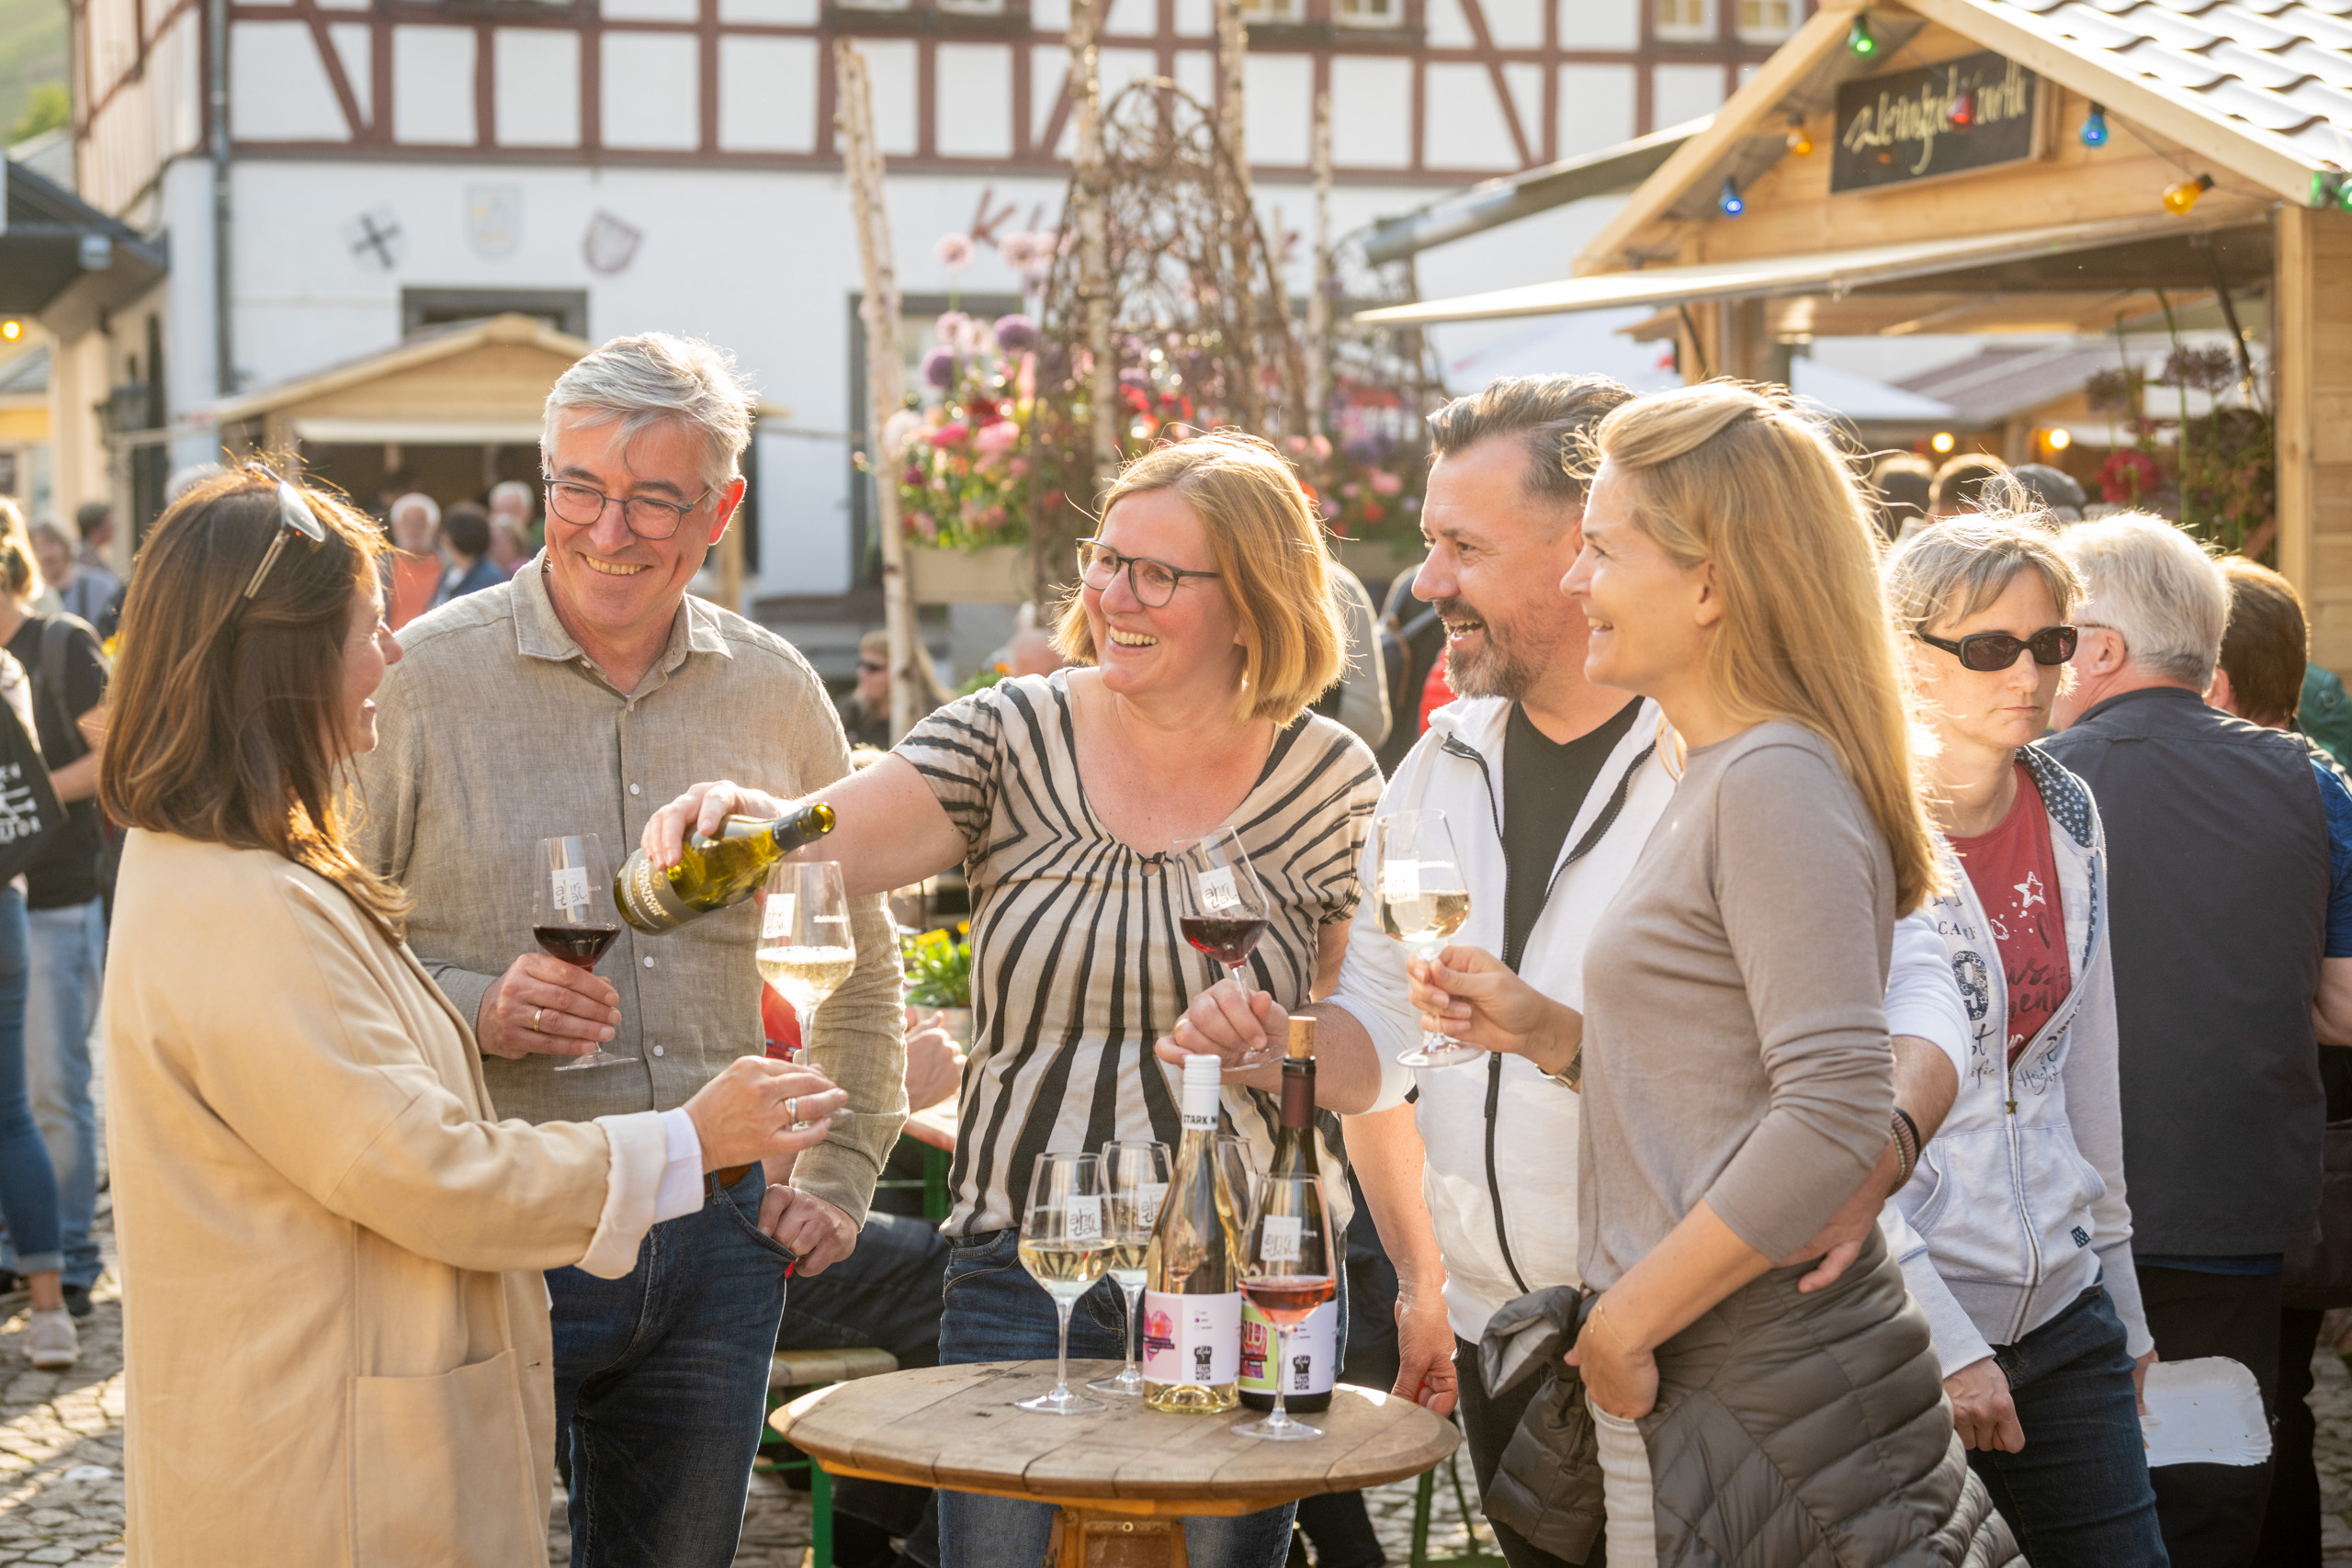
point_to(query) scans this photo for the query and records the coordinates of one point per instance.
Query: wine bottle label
(1400, 879)
(775, 915)
(1082, 1217)
(1191, 1339)
(1312, 1358)
(570, 889)
(646, 898)
(1278, 1238)
(1149, 1195)
(1218, 891)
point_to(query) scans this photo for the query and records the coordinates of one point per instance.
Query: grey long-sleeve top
(1735, 1031)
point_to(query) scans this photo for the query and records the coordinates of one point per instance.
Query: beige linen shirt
(496, 730)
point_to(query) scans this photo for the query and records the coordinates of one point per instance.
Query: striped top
(1077, 966)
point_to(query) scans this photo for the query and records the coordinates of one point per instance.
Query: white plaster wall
(537, 72)
(278, 86)
(1596, 107)
(1371, 110)
(651, 90)
(1279, 100)
(1463, 125)
(1601, 24)
(1684, 92)
(975, 107)
(767, 95)
(433, 84)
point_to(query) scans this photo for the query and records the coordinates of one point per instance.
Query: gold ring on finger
(792, 1109)
(537, 1014)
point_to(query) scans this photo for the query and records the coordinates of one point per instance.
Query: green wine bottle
(712, 872)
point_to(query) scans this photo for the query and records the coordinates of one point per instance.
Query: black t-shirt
(1544, 788)
(67, 872)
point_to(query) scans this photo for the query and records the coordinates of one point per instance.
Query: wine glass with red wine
(1287, 1271)
(1223, 912)
(573, 917)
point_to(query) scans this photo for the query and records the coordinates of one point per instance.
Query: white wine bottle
(1314, 1345)
(1192, 1299)
(712, 872)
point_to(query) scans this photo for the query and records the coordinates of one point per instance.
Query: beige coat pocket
(441, 1471)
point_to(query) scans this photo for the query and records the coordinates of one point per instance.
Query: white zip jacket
(1502, 1189)
(2018, 1206)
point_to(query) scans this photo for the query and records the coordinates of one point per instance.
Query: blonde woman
(1737, 1077)
(1206, 625)
(2015, 1236)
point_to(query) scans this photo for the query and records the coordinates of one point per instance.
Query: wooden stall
(2022, 167)
(458, 408)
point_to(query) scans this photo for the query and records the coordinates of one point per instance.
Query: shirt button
(634, 790)
(649, 961)
(657, 1050)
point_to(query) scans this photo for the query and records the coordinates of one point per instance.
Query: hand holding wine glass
(1288, 1268)
(574, 919)
(1223, 912)
(1423, 900)
(1065, 1249)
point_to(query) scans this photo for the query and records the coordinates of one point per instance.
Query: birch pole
(1093, 244)
(1318, 297)
(884, 371)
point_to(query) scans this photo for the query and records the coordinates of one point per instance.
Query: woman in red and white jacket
(2014, 1233)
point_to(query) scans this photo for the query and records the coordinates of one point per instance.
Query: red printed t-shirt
(2016, 878)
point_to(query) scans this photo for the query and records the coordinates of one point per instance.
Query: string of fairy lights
(2329, 187)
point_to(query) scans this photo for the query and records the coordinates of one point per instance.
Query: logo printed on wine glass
(1281, 1238)
(1082, 1217)
(1400, 879)
(1149, 1195)
(568, 886)
(775, 919)
(1218, 890)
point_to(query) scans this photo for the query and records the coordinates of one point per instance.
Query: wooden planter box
(997, 574)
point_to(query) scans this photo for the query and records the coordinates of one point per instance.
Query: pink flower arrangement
(955, 252)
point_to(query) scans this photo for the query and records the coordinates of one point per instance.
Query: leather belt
(733, 1174)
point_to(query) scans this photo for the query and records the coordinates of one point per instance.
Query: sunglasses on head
(295, 517)
(1990, 651)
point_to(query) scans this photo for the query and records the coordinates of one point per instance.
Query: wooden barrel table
(1120, 1476)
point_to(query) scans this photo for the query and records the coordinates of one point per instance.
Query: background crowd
(1910, 944)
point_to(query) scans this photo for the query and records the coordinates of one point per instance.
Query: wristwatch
(1572, 1075)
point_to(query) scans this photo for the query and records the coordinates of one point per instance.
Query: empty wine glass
(1223, 912)
(805, 951)
(1134, 1180)
(1423, 901)
(1064, 1247)
(1288, 1268)
(572, 916)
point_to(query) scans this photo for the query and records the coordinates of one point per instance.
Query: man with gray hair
(2218, 856)
(576, 698)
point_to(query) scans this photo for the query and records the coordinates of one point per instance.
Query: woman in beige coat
(335, 1330)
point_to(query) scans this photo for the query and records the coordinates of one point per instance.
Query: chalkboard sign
(1971, 113)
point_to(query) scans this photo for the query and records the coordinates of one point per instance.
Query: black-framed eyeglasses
(1153, 582)
(294, 518)
(648, 517)
(1990, 651)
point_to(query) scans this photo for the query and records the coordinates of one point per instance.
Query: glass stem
(1240, 973)
(1134, 1299)
(1061, 1364)
(1281, 1417)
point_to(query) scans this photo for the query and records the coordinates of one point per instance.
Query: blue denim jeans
(69, 954)
(28, 1186)
(2078, 1496)
(661, 1386)
(995, 1312)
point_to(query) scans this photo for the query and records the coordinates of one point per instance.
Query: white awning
(419, 431)
(1824, 272)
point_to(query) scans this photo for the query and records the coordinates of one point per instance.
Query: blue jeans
(28, 1186)
(69, 954)
(2078, 1494)
(995, 1312)
(661, 1386)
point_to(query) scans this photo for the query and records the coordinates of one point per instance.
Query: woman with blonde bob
(1737, 1075)
(335, 1330)
(1204, 625)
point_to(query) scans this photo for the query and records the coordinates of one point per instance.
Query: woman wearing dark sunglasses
(2014, 1233)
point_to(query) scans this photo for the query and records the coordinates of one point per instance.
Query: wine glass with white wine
(1064, 1247)
(805, 951)
(1423, 901)
(1134, 1180)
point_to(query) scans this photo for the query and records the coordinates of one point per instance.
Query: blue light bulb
(2094, 131)
(1730, 200)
